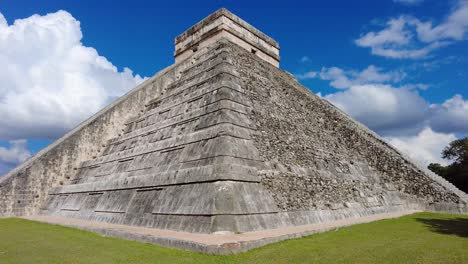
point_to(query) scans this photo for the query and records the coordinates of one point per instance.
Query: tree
(457, 150)
(457, 172)
(438, 169)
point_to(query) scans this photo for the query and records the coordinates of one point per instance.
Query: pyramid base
(218, 244)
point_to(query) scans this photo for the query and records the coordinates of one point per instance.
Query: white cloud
(383, 108)
(454, 27)
(370, 96)
(401, 111)
(394, 34)
(409, 37)
(425, 147)
(420, 86)
(305, 59)
(450, 116)
(308, 75)
(16, 153)
(396, 53)
(343, 79)
(404, 118)
(408, 2)
(50, 81)
(3, 21)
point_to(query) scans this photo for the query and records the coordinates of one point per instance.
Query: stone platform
(217, 244)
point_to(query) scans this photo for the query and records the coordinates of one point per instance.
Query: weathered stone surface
(24, 190)
(222, 141)
(223, 24)
(318, 158)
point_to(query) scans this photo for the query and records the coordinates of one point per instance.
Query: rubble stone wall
(318, 158)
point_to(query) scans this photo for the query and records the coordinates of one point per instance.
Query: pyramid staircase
(186, 163)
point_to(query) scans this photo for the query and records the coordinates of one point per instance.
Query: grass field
(417, 238)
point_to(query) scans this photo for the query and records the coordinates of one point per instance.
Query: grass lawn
(417, 238)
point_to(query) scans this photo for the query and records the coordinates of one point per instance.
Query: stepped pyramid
(222, 141)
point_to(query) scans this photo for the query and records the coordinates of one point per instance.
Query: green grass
(417, 238)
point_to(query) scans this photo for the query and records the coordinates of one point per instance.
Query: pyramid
(222, 141)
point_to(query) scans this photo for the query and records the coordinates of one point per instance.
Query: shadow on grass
(457, 226)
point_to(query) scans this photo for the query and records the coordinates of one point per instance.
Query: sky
(398, 66)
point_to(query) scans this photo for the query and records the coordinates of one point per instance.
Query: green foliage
(457, 172)
(457, 150)
(418, 238)
(438, 169)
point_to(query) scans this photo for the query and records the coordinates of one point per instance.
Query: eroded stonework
(317, 157)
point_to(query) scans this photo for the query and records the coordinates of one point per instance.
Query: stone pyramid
(222, 141)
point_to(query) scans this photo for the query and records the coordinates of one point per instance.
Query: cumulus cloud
(450, 116)
(343, 79)
(401, 110)
(383, 108)
(410, 38)
(381, 101)
(405, 119)
(50, 80)
(425, 147)
(16, 153)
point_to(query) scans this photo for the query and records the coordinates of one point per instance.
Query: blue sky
(400, 67)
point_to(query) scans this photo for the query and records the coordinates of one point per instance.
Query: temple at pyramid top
(224, 24)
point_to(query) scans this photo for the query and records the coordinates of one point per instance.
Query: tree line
(457, 172)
